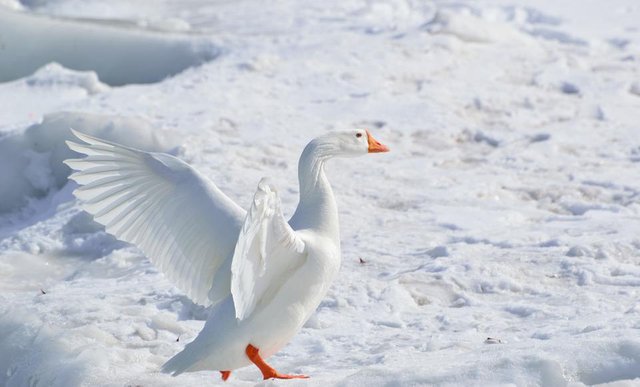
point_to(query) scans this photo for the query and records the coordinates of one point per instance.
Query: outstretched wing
(182, 222)
(267, 252)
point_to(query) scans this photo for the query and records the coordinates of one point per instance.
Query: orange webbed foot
(268, 372)
(278, 375)
(225, 375)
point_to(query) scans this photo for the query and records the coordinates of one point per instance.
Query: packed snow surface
(498, 243)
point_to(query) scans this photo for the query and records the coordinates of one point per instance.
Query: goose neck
(317, 209)
(311, 170)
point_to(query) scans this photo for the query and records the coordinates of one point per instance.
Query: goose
(262, 276)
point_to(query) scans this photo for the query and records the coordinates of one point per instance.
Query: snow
(31, 160)
(496, 244)
(118, 54)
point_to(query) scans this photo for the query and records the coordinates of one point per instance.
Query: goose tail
(180, 363)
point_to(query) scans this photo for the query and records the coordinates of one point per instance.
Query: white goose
(265, 276)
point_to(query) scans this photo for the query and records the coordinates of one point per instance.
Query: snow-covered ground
(497, 244)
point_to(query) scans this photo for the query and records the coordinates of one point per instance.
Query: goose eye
(358, 134)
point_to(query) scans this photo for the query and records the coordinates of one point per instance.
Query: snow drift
(118, 54)
(31, 161)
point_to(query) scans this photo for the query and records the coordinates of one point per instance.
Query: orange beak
(375, 146)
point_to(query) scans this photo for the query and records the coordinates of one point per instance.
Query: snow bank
(31, 161)
(119, 55)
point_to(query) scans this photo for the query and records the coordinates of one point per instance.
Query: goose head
(317, 209)
(350, 143)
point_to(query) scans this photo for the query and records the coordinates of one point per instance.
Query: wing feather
(268, 249)
(182, 222)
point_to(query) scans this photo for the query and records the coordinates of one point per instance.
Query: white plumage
(177, 217)
(265, 276)
(264, 232)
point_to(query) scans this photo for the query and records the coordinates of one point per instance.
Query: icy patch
(31, 161)
(118, 55)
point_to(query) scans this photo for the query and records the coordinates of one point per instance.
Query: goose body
(222, 342)
(263, 276)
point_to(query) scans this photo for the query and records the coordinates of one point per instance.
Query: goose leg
(267, 371)
(225, 375)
